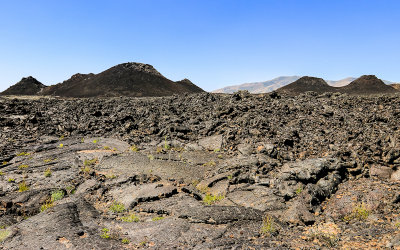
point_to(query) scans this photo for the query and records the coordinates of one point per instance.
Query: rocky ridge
(126, 79)
(201, 171)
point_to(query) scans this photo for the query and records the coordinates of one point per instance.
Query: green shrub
(211, 199)
(125, 241)
(57, 195)
(4, 233)
(86, 169)
(360, 212)
(11, 180)
(130, 218)
(157, 218)
(23, 187)
(209, 164)
(23, 154)
(117, 207)
(133, 148)
(105, 233)
(5, 163)
(47, 205)
(90, 162)
(23, 166)
(47, 173)
(268, 227)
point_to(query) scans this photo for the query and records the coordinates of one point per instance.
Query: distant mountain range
(279, 82)
(126, 79)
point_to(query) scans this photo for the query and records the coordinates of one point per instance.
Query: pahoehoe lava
(200, 171)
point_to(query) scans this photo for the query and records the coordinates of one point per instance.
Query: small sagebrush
(117, 207)
(130, 218)
(211, 199)
(268, 227)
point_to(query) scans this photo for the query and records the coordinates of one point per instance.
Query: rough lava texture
(27, 86)
(127, 79)
(202, 171)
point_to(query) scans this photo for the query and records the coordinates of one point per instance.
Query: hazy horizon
(213, 43)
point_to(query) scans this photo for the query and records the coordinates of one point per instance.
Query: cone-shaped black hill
(367, 84)
(27, 86)
(307, 83)
(127, 79)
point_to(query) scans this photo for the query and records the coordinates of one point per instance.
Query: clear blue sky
(214, 43)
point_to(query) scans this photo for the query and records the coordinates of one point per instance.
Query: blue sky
(214, 43)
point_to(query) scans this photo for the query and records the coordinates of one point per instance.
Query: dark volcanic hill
(307, 83)
(367, 84)
(127, 79)
(27, 86)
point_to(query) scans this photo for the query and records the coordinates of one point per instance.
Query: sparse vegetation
(134, 148)
(23, 166)
(47, 172)
(151, 157)
(105, 233)
(166, 145)
(107, 148)
(1, 173)
(47, 205)
(125, 241)
(268, 227)
(5, 163)
(86, 169)
(299, 190)
(61, 145)
(4, 233)
(90, 162)
(11, 180)
(211, 199)
(23, 187)
(57, 195)
(95, 141)
(49, 160)
(157, 218)
(130, 218)
(209, 164)
(111, 176)
(117, 207)
(360, 212)
(23, 154)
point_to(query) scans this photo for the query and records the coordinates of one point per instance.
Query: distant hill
(27, 86)
(367, 84)
(127, 79)
(341, 83)
(307, 83)
(364, 85)
(260, 87)
(276, 83)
